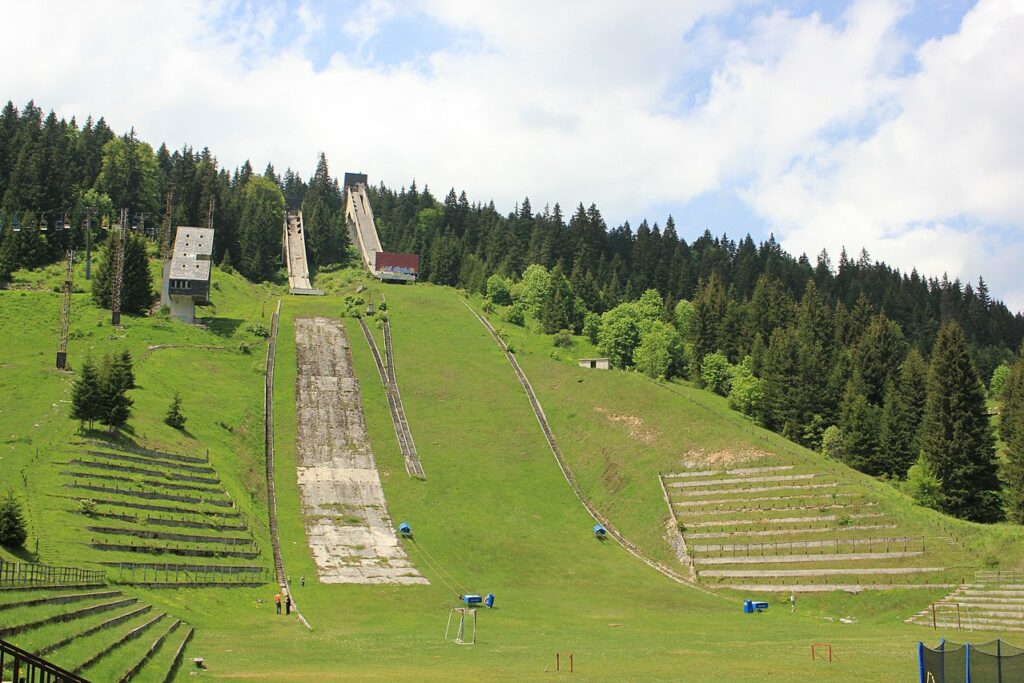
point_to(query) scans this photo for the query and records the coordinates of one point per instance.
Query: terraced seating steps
(225, 514)
(132, 469)
(790, 532)
(993, 602)
(173, 486)
(60, 599)
(743, 526)
(745, 501)
(163, 464)
(9, 631)
(735, 471)
(107, 640)
(138, 450)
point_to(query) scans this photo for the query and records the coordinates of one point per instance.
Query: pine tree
(114, 384)
(1013, 473)
(1012, 420)
(877, 357)
(13, 531)
(86, 394)
(174, 416)
(902, 414)
(956, 436)
(558, 308)
(859, 424)
(260, 228)
(136, 282)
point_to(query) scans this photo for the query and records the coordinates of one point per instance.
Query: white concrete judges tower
(187, 280)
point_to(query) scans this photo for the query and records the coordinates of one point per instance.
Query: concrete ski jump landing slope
(350, 532)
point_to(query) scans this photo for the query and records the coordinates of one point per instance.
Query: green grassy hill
(494, 514)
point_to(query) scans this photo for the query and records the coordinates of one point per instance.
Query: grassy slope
(619, 429)
(494, 513)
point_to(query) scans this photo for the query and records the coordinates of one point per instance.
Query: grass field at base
(494, 514)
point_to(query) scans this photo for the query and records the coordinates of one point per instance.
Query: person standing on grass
(277, 602)
(792, 603)
(287, 603)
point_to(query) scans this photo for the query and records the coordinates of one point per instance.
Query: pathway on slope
(268, 407)
(347, 523)
(538, 411)
(394, 397)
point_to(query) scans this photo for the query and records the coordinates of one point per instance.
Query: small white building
(595, 363)
(187, 277)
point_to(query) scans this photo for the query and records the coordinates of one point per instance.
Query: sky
(887, 125)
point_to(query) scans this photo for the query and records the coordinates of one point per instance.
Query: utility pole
(65, 314)
(89, 211)
(118, 279)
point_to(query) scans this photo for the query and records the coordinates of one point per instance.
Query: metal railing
(24, 666)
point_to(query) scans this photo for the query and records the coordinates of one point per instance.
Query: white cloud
(951, 154)
(810, 122)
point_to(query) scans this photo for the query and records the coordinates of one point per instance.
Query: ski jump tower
(294, 243)
(384, 265)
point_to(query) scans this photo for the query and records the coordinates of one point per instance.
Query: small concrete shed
(595, 363)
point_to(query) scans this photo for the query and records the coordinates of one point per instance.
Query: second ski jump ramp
(359, 216)
(389, 266)
(295, 255)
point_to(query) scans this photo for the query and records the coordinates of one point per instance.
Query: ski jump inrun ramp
(363, 231)
(294, 241)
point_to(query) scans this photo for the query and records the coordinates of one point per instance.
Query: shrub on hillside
(563, 339)
(716, 373)
(516, 314)
(258, 330)
(922, 485)
(13, 530)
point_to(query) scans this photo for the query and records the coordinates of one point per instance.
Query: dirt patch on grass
(702, 459)
(634, 425)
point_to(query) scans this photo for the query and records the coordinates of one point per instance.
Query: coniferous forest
(887, 371)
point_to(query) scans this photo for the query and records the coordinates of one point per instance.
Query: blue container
(748, 606)
(489, 600)
(405, 529)
(599, 531)
(760, 606)
(472, 599)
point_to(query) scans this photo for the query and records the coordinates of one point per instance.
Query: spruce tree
(860, 425)
(260, 228)
(174, 416)
(902, 414)
(1013, 473)
(1013, 403)
(115, 405)
(86, 403)
(13, 530)
(136, 282)
(956, 436)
